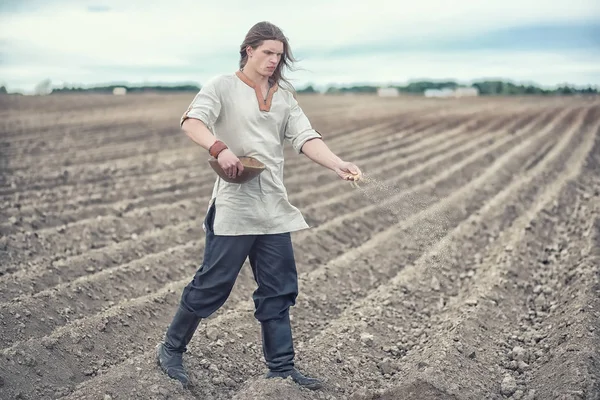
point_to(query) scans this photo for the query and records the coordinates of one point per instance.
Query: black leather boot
(278, 350)
(298, 377)
(169, 354)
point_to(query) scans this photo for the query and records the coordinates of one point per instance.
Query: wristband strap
(217, 148)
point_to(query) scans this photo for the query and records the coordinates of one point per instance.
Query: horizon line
(380, 84)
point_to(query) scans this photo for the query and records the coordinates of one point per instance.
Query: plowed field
(466, 267)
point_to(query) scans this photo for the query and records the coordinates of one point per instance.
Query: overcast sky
(338, 42)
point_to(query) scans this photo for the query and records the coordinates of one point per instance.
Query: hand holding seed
(349, 172)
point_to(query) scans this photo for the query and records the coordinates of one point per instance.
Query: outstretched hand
(348, 171)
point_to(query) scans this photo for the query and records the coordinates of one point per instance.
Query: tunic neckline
(264, 104)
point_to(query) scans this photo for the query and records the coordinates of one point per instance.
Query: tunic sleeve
(298, 128)
(205, 106)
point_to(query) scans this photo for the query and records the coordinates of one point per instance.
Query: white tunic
(235, 111)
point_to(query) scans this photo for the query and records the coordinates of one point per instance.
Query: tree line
(485, 88)
(488, 88)
(130, 89)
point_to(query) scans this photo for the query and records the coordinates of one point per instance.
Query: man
(248, 113)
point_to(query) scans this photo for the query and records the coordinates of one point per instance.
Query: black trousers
(274, 268)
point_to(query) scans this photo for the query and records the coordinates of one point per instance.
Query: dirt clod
(508, 385)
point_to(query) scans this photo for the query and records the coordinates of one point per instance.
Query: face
(265, 58)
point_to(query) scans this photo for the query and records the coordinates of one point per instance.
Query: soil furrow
(54, 128)
(336, 139)
(438, 151)
(96, 233)
(392, 203)
(107, 136)
(325, 213)
(552, 348)
(397, 319)
(90, 291)
(504, 228)
(40, 276)
(481, 286)
(81, 139)
(331, 192)
(488, 345)
(89, 176)
(50, 125)
(169, 190)
(111, 153)
(31, 279)
(107, 130)
(252, 348)
(428, 167)
(178, 161)
(143, 186)
(41, 241)
(95, 171)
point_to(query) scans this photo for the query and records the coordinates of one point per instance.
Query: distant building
(388, 92)
(119, 91)
(448, 93)
(466, 92)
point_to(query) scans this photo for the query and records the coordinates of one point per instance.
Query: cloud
(401, 68)
(567, 37)
(187, 40)
(98, 8)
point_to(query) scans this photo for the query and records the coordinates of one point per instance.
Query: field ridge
(465, 265)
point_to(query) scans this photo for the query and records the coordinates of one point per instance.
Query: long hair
(267, 31)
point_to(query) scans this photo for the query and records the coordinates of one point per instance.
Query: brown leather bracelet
(216, 148)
